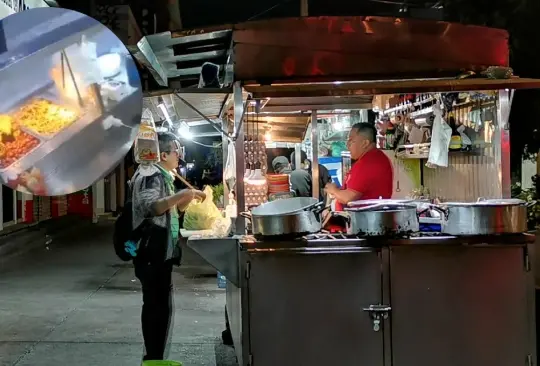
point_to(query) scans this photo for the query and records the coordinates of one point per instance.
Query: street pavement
(71, 302)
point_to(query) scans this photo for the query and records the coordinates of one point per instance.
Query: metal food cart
(329, 299)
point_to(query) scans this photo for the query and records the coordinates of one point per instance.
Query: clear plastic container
(146, 144)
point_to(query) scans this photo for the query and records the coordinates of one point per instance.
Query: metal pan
(277, 223)
(486, 217)
(381, 220)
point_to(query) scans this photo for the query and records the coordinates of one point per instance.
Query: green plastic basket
(162, 363)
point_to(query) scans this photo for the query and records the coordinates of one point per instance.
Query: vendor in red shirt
(371, 176)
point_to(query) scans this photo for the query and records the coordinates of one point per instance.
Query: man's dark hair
(366, 129)
(303, 157)
(165, 139)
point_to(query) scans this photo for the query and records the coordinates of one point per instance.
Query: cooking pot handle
(345, 215)
(319, 208)
(246, 215)
(440, 209)
(531, 203)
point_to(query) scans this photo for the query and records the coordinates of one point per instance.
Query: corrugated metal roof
(209, 104)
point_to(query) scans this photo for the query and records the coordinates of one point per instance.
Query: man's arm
(180, 200)
(343, 196)
(148, 196)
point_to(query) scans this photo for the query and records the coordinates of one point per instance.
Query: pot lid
(284, 206)
(361, 203)
(382, 207)
(488, 202)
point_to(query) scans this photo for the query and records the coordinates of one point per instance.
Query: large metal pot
(288, 217)
(485, 217)
(381, 219)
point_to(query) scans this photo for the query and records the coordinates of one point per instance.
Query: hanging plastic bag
(202, 215)
(440, 140)
(229, 174)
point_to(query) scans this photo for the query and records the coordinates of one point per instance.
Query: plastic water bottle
(222, 281)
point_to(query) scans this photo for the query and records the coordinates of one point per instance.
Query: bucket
(161, 363)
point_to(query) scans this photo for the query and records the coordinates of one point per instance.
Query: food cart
(339, 299)
(55, 117)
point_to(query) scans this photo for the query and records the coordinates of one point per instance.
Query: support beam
(304, 8)
(502, 141)
(240, 157)
(315, 154)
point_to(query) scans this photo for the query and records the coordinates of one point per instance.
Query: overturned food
(44, 117)
(13, 149)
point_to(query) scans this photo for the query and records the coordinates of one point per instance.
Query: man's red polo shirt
(372, 176)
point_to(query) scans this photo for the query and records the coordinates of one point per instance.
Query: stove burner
(340, 236)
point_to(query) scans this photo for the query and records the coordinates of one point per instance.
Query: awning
(336, 91)
(210, 104)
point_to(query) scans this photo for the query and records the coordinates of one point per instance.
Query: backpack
(124, 237)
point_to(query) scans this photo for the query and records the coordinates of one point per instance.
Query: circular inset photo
(70, 101)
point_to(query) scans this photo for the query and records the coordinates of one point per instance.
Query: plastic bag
(202, 215)
(146, 144)
(440, 141)
(230, 167)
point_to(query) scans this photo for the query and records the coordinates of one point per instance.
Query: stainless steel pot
(288, 217)
(381, 219)
(485, 217)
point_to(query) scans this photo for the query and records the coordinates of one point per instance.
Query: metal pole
(502, 141)
(225, 146)
(315, 154)
(240, 158)
(304, 8)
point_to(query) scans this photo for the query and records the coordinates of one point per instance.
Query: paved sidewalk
(73, 303)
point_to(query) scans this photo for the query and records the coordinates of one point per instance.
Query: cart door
(458, 305)
(308, 309)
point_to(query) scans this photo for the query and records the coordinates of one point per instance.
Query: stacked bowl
(278, 183)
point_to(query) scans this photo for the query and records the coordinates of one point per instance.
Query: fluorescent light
(184, 132)
(163, 109)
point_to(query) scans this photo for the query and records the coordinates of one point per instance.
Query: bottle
(456, 142)
(222, 281)
(146, 143)
(390, 137)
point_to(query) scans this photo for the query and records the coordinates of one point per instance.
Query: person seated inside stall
(300, 179)
(324, 174)
(371, 176)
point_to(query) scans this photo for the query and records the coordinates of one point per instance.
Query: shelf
(450, 153)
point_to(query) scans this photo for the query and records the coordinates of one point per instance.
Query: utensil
(182, 179)
(486, 217)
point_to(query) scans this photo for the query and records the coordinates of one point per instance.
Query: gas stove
(323, 236)
(341, 240)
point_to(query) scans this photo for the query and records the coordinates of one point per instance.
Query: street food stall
(70, 95)
(382, 292)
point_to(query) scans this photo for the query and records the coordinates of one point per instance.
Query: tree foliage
(519, 17)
